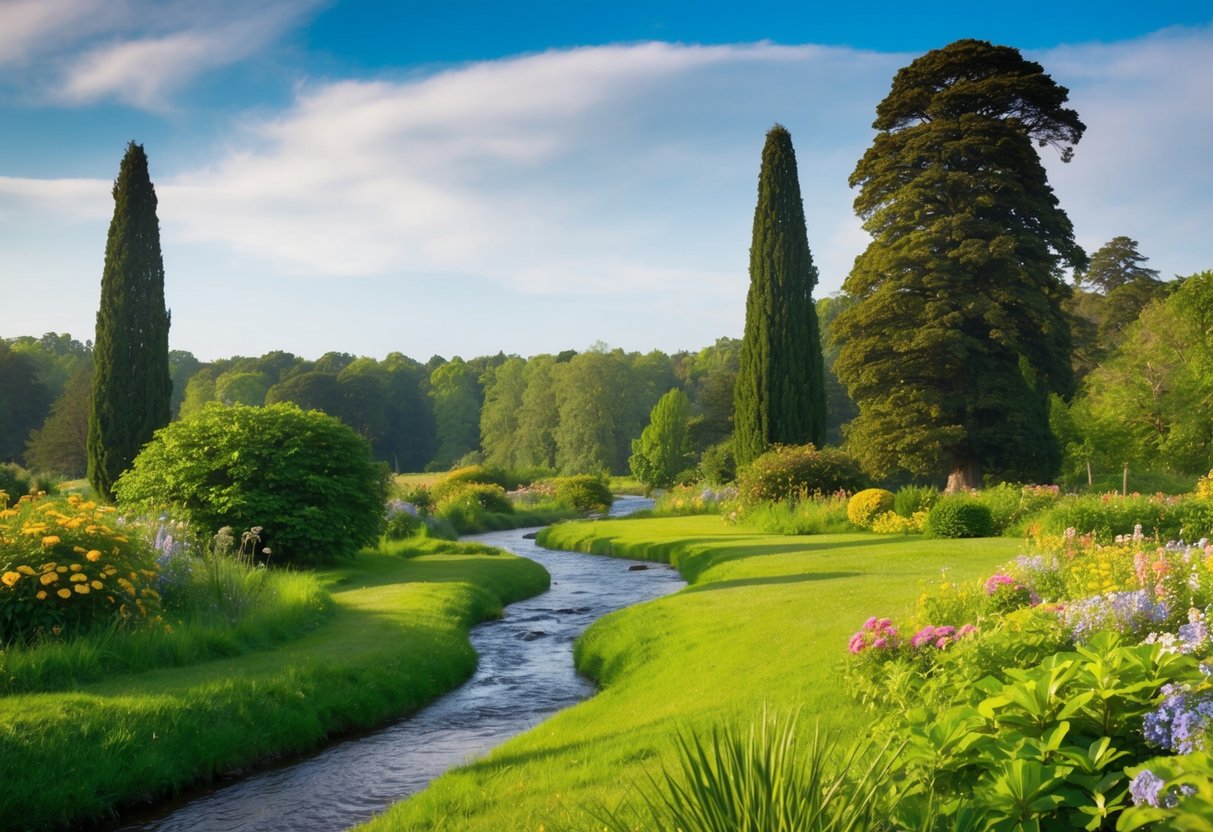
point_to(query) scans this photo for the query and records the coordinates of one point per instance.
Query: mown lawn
(765, 621)
(397, 639)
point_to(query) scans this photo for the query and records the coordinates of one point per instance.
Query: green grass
(764, 623)
(397, 637)
(273, 606)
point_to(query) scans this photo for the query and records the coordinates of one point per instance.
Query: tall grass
(761, 780)
(815, 515)
(218, 607)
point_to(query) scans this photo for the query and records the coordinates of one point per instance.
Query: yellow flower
(41, 596)
(49, 578)
(60, 569)
(75, 567)
(82, 589)
(97, 585)
(93, 555)
(8, 512)
(65, 593)
(10, 578)
(26, 570)
(78, 577)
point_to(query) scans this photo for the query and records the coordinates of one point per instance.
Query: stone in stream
(637, 567)
(530, 535)
(534, 634)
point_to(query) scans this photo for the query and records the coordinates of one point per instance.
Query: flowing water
(525, 675)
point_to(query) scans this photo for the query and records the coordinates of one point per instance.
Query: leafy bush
(717, 465)
(959, 515)
(1104, 516)
(911, 499)
(797, 472)
(584, 493)
(893, 523)
(481, 474)
(66, 566)
(1204, 487)
(402, 520)
(304, 477)
(867, 505)
(14, 480)
(484, 496)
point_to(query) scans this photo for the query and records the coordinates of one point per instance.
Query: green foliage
(865, 506)
(1104, 516)
(911, 499)
(307, 479)
(474, 497)
(825, 514)
(504, 388)
(456, 395)
(1038, 747)
(663, 450)
(583, 492)
(1145, 404)
(796, 472)
(959, 515)
(764, 780)
(957, 334)
(131, 383)
(61, 444)
(15, 482)
(779, 396)
(718, 465)
(24, 401)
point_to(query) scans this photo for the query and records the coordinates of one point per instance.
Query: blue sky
(468, 177)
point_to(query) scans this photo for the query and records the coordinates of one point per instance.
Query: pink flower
(880, 643)
(998, 580)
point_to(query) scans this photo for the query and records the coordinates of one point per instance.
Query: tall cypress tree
(131, 383)
(780, 395)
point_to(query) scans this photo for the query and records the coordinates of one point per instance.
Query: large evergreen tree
(131, 383)
(957, 334)
(779, 397)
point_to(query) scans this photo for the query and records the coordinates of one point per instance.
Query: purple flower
(1145, 788)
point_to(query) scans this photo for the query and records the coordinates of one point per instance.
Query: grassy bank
(397, 637)
(765, 621)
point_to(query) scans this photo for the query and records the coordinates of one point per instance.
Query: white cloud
(1143, 167)
(598, 169)
(30, 27)
(137, 52)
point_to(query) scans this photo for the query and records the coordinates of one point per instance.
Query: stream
(525, 674)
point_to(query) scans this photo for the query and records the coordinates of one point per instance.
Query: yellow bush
(869, 504)
(65, 565)
(1204, 487)
(893, 523)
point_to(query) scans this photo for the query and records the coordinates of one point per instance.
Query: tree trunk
(965, 475)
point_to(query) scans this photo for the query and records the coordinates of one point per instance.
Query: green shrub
(867, 505)
(717, 465)
(911, 499)
(488, 497)
(14, 480)
(1107, 515)
(959, 515)
(584, 493)
(304, 477)
(797, 472)
(482, 474)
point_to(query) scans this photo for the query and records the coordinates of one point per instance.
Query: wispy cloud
(586, 170)
(616, 173)
(137, 52)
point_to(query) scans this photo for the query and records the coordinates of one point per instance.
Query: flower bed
(1073, 688)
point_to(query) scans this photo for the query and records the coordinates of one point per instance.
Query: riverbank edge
(397, 639)
(744, 635)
